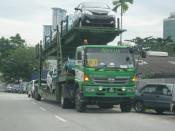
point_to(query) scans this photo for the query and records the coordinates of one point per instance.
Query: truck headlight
(134, 79)
(86, 78)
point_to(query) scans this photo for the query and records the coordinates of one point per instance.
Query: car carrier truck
(88, 70)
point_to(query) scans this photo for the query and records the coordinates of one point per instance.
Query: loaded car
(160, 97)
(94, 14)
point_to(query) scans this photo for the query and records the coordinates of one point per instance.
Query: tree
(17, 41)
(19, 64)
(123, 5)
(155, 44)
(16, 59)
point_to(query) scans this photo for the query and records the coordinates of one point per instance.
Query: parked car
(33, 86)
(94, 14)
(160, 97)
(16, 88)
(9, 88)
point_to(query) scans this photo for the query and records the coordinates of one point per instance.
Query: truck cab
(104, 75)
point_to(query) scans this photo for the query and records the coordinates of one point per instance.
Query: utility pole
(40, 63)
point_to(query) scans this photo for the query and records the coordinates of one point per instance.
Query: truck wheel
(79, 105)
(125, 107)
(139, 107)
(65, 103)
(105, 106)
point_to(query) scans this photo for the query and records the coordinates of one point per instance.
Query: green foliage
(155, 44)
(16, 59)
(122, 4)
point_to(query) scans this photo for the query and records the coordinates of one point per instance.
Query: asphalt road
(19, 113)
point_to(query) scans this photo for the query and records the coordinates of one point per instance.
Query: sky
(144, 18)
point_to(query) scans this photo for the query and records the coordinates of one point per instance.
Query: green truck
(88, 73)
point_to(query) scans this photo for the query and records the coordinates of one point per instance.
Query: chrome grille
(111, 80)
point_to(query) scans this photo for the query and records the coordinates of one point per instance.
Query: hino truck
(89, 72)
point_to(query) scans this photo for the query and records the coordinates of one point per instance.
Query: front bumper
(98, 20)
(114, 95)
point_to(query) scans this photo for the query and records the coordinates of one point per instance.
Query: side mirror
(77, 9)
(169, 93)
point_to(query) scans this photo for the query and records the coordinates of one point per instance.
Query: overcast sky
(144, 18)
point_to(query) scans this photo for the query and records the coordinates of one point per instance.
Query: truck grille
(117, 80)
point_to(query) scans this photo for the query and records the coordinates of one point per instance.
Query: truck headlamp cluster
(134, 79)
(86, 78)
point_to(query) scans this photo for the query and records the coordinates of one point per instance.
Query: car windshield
(109, 57)
(95, 5)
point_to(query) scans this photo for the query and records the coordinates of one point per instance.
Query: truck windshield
(109, 57)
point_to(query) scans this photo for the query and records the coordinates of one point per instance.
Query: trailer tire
(65, 102)
(79, 105)
(37, 96)
(125, 107)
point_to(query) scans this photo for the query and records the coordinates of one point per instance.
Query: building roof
(162, 67)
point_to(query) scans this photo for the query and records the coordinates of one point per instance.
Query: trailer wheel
(65, 102)
(37, 96)
(79, 105)
(125, 107)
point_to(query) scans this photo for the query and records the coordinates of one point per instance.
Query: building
(169, 27)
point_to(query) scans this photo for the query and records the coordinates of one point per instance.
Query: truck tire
(79, 105)
(139, 107)
(105, 106)
(65, 102)
(125, 107)
(37, 96)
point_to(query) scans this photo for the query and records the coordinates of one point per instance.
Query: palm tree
(123, 4)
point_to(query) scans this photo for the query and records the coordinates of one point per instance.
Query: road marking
(59, 118)
(172, 62)
(43, 109)
(34, 103)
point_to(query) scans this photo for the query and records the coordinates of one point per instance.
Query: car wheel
(79, 105)
(125, 107)
(159, 111)
(139, 107)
